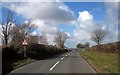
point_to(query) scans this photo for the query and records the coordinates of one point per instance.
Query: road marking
(69, 54)
(57, 62)
(54, 65)
(62, 58)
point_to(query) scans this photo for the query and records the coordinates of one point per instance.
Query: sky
(77, 19)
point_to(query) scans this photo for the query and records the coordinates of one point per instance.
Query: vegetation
(102, 58)
(23, 62)
(60, 39)
(98, 35)
(80, 45)
(102, 62)
(107, 48)
(13, 34)
(13, 59)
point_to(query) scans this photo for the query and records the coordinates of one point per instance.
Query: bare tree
(32, 39)
(98, 35)
(7, 27)
(43, 39)
(19, 32)
(60, 39)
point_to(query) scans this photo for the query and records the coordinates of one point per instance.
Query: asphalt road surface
(70, 62)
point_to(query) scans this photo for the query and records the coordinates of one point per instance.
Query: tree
(80, 45)
(6, 28)
(98, 35)
(87, 44)
(60, 39)
(32, 39)
(19, 32)
(43, 39)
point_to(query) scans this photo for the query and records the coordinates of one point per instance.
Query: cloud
(55, 11)
(85, 21)
(29, 0)
(47, 27)
(111, 20)
(85, 25)
(68, 34)
(96, 9)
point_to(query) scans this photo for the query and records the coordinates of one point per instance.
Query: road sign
(24, 43)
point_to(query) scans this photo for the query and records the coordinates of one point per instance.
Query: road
(70, 62)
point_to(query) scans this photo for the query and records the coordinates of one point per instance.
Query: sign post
(25, 45)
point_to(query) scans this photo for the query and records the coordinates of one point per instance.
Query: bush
(40, 51)
(10, 53)
(108, 48)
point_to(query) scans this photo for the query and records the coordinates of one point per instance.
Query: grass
(8, 66)
(23, 62)
(101, 62)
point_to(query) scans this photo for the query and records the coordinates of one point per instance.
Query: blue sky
(77, 19)
(88, 6)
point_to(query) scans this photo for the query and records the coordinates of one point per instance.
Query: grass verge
(101, 62)
(23, 62)
(10, 65)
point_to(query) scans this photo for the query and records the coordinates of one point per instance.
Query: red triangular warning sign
(24, 43)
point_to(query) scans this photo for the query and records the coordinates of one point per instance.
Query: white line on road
(54, 65)
(69, 54)
(58, 62)
(62, 58)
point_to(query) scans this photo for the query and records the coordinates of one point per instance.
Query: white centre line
(62, 58)
(69, 54)
(54, 65)
(57, 62)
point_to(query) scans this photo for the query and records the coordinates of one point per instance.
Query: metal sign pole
(25, 51)
(24, 45)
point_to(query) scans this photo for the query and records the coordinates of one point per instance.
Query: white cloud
(28, 0)
(112, 21)
(55, 11)
(48, 27)
(85, 25)
(85, 21)
(68, 34)
(85, 16)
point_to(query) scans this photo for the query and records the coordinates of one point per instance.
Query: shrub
(108, 48)
(40, 51)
